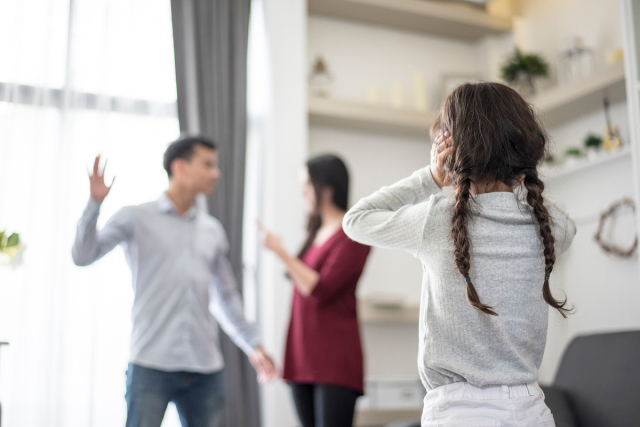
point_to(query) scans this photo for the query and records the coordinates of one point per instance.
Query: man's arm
(91, 244)
(227, 308)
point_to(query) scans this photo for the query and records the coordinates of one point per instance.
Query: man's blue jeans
(199, 398)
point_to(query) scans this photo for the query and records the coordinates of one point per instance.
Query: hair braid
(534, 187)
(462, 242)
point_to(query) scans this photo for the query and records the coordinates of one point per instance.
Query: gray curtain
(210, 42)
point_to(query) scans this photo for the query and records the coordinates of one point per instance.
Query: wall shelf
(555, 172)
(564, 103)
(378, 417)
(451, 20)
(371, 314)
(351, 115)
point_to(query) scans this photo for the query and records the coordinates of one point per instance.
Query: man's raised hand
(99, 189)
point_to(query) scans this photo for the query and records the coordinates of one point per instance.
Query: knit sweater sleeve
(394, 216)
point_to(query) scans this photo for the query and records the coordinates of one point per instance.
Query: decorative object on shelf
(572, 155)
(592, 144)
(396, 95)
(419, 87)
(10, 249)
(575, 61)
(614, 56)
(320, 79)
(613, 249)
(372, 95)
(612, 141)
(501, 8)
(521, 69)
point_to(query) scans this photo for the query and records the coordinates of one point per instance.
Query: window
(77, 78)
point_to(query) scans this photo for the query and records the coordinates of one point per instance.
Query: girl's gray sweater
(457, 342)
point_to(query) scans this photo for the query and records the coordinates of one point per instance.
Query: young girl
(487, 254)
(323, 359)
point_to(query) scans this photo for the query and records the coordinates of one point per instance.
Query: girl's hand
(440, 150)
(270, 240)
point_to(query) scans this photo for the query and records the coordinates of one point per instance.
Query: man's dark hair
(183, 148)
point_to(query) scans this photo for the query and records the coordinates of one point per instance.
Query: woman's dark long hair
(496, 137)
(325, 171)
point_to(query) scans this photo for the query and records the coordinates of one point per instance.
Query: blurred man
(177, 256)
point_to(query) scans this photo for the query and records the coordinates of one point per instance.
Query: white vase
(593, 154)
(571, 161)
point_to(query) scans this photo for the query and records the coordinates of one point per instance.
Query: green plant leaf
(533, 64)
(13, 240)
(1, 239)
(593, 140)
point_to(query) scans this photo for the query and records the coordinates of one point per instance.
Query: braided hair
(497, 138)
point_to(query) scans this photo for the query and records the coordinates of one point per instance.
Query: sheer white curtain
(77, 78)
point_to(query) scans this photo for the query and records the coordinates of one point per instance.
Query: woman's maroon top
(323, 343)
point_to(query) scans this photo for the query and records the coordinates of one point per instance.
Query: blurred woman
(323, 359)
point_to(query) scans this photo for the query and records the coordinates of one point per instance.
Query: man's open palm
(99, 189)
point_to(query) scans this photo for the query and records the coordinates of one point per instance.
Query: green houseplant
(520, 69)
(572, 155)
(592, 144)
(10, 249)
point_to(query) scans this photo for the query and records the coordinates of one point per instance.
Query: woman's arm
(304, 277)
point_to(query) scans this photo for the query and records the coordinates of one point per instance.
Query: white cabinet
(392, 394)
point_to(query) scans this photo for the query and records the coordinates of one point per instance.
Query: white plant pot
(593, 154)
(571, 161)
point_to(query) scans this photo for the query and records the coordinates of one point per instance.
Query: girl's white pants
(464, 405)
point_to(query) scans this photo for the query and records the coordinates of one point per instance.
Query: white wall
(285, 151)
(360, 55)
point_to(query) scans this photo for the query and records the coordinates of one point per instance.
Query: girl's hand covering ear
(440, 151)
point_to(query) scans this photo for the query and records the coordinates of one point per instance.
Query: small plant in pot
(572, 155)
(592, 144)
(521, 69)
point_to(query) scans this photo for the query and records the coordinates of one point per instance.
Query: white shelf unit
(378, 417)
(564, 103)
(555, 172)
(371, 314)
(451, 20)
(351, 115)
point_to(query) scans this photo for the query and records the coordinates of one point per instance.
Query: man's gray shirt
(180, 276)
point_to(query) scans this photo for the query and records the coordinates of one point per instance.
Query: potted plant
(592, 145)
(520, 70)
(10, 249)
(572, 155)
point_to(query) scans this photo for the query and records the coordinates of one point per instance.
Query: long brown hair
(325, 171)
(496, 137)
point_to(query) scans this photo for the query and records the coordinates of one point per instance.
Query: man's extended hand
(99, 189)
(263, 365)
